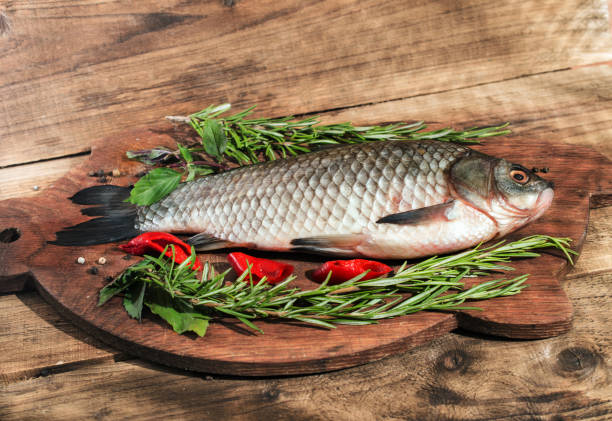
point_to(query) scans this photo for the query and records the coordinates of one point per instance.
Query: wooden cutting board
(540, 311)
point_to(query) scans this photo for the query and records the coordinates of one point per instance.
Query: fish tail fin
(116, 217)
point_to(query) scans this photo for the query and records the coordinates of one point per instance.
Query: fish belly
(462, 227)
(335, 193)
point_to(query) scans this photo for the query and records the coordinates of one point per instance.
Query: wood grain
(125, 65)
(533, 111)
(541, 311)
(75, 71)
(572, 106)
(454, 377)
(31, 179)
(46, 340)
(596, 256)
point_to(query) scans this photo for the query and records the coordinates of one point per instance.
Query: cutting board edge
(249, 369)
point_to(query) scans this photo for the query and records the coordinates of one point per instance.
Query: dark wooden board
(540, 311)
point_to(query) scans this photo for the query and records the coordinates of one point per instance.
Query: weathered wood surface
(496, 62)
(569, 102)
(542, 310)
(44, 339)
(30, 179)
(455, 377)
(73, 70)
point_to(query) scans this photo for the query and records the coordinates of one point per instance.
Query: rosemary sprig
(238, 139)
(188, 302)
(253, 140)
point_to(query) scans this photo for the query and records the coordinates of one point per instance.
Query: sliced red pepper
(155, 242)
(274, 272)
(343, 270)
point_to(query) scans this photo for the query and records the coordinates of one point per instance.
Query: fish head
(508, 193)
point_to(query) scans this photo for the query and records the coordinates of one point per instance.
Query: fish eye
(519, 175)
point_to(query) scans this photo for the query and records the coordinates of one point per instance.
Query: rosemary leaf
(242, 140)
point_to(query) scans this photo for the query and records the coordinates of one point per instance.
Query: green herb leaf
(133, 299)
(249, 140)
(185, 153)
(109, 291)
(214, 139)
(181, 321)
(202, 170)
(188, 303)
(154, 186)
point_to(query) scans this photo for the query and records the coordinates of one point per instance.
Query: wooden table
(75, 71)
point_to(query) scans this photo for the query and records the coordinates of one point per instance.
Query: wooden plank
(31, 179)
(456, 376)
(73, 71)
(39, 339)
(570, 106)
(566, 105)
(596, 255)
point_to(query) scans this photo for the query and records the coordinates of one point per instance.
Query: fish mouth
(543, 202)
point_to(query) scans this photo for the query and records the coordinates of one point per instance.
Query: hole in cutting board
(9, 235)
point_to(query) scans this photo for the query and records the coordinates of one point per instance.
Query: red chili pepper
(274, 272)
(151, 242)
(343, 270)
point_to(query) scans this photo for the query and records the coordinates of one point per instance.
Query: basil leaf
(214, 139)
(133, 299)
(181, 320)
(109, 291)
(154, 186)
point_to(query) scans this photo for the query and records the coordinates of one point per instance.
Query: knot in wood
(454, 360)
(271, 394)
(577, 361)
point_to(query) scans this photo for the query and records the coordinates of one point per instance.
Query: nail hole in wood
(9, 235)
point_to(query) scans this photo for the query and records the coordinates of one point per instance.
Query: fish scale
(337, 191)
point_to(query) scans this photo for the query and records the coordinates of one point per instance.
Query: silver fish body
(393, 199)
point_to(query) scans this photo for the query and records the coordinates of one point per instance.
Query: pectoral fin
(206, 242)
(420, 216)
(343, 245)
